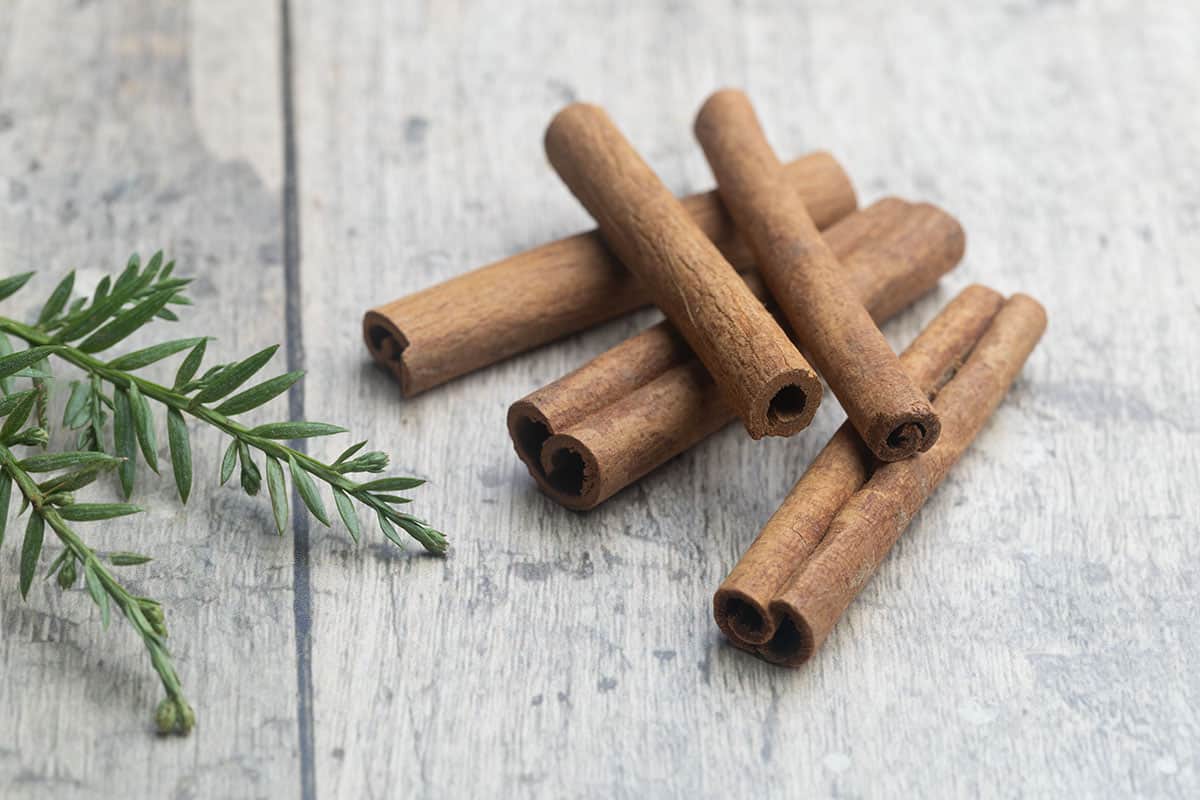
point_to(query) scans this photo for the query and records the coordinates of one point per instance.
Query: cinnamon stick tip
(386, 343)
(571, 116)
(741, 617)
(562, 466)
(529, 430)
(954, 236)
(727, 100)
(1033, 307)
(981, 294)
(794, 640)
(570, 472)
(786, 405)
(898, 437)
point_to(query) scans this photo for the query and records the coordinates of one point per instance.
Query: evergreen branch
(174, 714)
(77, 333)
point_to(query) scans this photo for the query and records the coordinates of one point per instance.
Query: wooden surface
(1033, 634)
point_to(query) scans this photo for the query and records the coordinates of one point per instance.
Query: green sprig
(79, 332)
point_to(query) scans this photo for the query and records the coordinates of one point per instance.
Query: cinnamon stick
(888, 410)
(760, 373)
(740, 605)
(591, 433)
(559, 288)
(872, 519)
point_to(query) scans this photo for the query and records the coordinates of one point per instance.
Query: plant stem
(127, 603)
(179, 401)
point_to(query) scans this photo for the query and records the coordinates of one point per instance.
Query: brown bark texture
(813, 597)
(762, 377)
(600, 428)
(559, 288)
(740, 605)
(891, 414)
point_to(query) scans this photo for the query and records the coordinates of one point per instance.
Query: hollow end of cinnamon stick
(786, 405)
(564, 467)
(647, 400)
(761, 374)
(793, 641)
(741, 617)
(872, 520)
(896, 437)
(807, 280)
(572, 472)
(529, 429)
(386, 344)
(747, 607)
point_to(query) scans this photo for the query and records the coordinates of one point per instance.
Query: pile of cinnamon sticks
(769, 285)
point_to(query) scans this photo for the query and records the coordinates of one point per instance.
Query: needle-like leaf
(190, 364)
(389, 531)
(124, 559)
(124, 440)
(349, 451)
(58, 299)
(260, 394)
(51, 462)
(251, 478)
(13, 401)
(278, 491)
(229, 461)
(10, 286)
(308, 490)
(93, 512)
(148, 355)
(5, 499)
(76, 413)
(346, 512)
(15, 362)
(96, 590)
(125, 323)
(234, 376)
(296, 430)
(392, 484)
(31, 548)
(79, 478)
(143, 424)
(6, 384)
(17, 416)
(181, 452)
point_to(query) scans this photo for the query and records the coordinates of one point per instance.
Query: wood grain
(1034, 628)
(102, 155)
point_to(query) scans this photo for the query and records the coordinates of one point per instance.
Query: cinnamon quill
(835, 331)
(761, 375)
(591, 433)
(812, 599)
(740, 605)
(562, 287)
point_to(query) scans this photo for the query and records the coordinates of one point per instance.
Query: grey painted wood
(134, 126)
(1031, 635)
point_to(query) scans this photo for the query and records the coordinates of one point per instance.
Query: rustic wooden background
(1035, 631)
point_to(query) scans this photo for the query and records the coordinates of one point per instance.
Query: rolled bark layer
(832, 326)
(760, 373)
(740, 605)
(872, 519)
(559, 288)
(651, 395)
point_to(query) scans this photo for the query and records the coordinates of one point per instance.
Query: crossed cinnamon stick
(841, 518)
(595, 431)
(735, 346)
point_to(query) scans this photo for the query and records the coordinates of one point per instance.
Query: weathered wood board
(123, 127)
(1032, 633)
